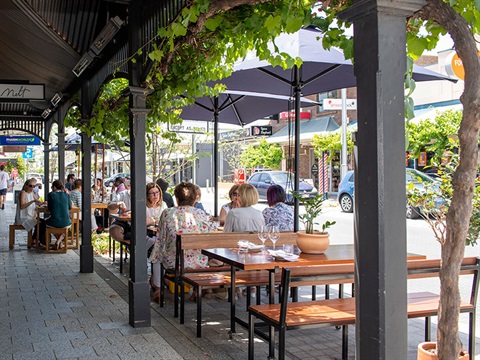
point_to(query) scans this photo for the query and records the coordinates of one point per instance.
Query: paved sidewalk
(51, 311)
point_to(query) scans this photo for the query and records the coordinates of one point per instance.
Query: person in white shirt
(245, 218)
(4, 179)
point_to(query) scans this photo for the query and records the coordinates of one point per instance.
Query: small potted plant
(311, 241)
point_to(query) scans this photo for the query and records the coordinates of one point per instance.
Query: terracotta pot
(424, 353)
(315, 243)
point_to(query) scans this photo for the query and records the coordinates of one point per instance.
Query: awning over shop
(307, 130)
(430, 112)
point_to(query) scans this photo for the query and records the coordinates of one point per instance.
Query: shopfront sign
(336, 104)
(261, 130)
(19, 140)
(454, 66)
(23, 92)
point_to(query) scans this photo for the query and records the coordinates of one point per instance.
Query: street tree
(264, 155)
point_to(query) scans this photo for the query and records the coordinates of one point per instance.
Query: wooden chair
(12, 229)
(56, 231)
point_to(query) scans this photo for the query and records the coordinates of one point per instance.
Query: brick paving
(52, 311)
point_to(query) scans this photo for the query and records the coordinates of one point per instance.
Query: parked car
(108, 182)
(262, 180)
(346, 196)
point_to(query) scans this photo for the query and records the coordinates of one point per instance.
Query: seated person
(166, 196)
(76, 196)
(198, 199)
(233, 195)
(120, 230)
(183, 219)
(26, 207)
(278, 213)
(59, 204)
(245, 217)
(155, 207)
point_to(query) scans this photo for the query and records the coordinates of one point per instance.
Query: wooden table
(335, 254)
(99, 205)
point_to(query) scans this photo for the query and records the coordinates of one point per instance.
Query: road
(420, 238)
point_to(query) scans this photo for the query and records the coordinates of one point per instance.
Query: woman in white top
(245, 218)
(26, 207)
(155, 207)
(234, 203)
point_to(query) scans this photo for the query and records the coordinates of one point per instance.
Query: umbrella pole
(215, 156)
(296, 185)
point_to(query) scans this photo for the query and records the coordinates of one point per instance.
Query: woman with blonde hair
(26, 208)
(245, 218)
(155, 207)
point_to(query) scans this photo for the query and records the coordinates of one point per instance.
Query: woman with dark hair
(278, 213)
(182, 219)
(59, 204)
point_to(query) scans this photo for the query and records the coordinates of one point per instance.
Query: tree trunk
(458, 217)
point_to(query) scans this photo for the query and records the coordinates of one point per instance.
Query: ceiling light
(56, 99)
(107, 34)
(46, 113)
(82, 64)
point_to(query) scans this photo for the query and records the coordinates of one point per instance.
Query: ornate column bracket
(363, 8)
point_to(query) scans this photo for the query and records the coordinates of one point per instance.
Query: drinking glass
(273, 234)
(288, 249)
(263, 234)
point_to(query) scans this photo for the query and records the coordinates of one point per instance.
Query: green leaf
(293, 24)
(213, 23)
(179, 29)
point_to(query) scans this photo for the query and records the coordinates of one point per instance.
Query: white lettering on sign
(22, 92)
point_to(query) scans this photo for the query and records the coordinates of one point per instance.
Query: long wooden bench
(342, 312)
(212, 277)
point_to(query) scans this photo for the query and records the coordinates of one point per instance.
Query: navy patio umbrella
(321, 71)
(239, 108)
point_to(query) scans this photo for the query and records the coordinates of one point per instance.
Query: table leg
(271, 300)
(232, 298)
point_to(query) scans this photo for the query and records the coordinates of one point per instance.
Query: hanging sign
(261, 130)
(22, 92)
(19, 140)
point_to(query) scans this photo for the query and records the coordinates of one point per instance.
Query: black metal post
(380, 225)
(138, 287)
(215, 156)
(296, 185)
(86, 248)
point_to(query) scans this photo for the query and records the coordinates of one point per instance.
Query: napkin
(282, 255)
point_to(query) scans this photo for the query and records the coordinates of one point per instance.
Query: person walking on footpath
(4, 179)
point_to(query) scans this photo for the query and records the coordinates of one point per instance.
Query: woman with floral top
(182, 219)
(278, 213)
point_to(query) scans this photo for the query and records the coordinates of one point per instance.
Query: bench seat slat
(342, 311)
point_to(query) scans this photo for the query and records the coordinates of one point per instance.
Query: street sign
(28, 154)
(314, 169)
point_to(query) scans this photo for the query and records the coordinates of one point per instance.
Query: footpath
(52, 311)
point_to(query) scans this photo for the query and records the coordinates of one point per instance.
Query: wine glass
(273, 234)
(263, 234)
